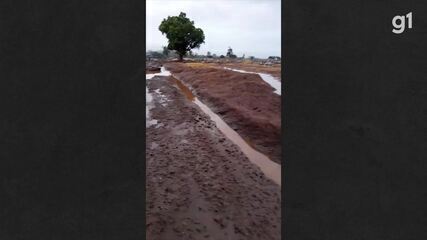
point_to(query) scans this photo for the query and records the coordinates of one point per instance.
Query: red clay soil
(275, 71)
(244, 101)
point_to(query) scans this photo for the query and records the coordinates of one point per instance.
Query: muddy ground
(274, 70)
(199, 184)
(244, 101)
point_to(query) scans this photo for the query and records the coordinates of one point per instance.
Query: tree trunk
(181, 57)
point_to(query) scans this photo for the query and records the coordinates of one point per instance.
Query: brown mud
(244, 101)
(274, 70)
(199, 184)
(270, 169)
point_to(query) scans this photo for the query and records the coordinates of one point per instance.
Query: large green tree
(182, 34)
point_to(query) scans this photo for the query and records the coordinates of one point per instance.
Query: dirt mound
(244, 101)
(152, 66)
(275, 71)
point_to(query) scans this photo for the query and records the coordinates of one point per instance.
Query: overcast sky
(250, 27)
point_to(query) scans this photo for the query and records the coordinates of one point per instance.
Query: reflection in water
(149, 96)
(163, 72)
(187, 92)
(271, 169)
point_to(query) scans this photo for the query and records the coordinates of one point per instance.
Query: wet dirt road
(199, 184)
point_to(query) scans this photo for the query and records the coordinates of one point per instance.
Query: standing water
(149, 98)
(163, 72)
(271, 169)
(272, 81)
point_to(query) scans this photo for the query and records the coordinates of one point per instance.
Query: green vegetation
(181, 34)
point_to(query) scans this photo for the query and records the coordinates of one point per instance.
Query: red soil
(244, 101)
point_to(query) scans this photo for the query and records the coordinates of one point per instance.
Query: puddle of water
(271, 169)
(149, 97)
(163, 72)
(187, 92)
(149, 105)
(163, 99)
(272, 81)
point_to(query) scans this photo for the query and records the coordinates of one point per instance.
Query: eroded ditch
(270, 169)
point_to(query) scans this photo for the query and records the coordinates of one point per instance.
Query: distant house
(275, 58)
(230, 53)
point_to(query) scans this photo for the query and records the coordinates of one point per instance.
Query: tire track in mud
(199, 184)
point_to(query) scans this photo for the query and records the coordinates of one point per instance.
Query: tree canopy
(181, 34)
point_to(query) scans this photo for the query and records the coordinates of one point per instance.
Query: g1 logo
(399, 23)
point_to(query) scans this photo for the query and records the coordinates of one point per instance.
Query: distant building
(230, 53)
(275, 58)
